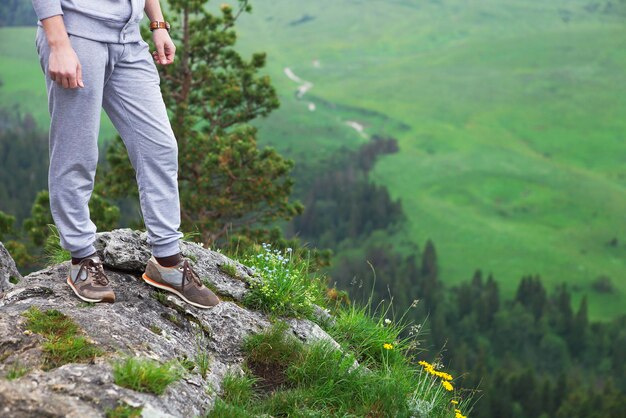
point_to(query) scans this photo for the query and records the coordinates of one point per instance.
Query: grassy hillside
(513, 156)
(509, 117)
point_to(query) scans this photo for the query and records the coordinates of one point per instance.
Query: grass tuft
(203, 359)
(269, 354)
(156, 330)
(376, 340)
(64, 344)
(16, 370)
(230, 269)
(53, 251)
(124, 411)
(145, 375)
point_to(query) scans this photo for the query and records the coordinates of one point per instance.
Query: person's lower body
(122, 79)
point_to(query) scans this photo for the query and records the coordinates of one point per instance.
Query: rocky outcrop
(8, 271)
(141, 322)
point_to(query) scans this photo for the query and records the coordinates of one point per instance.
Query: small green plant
(14, 280)
(186, 363)
(203, 359)
(192, 257)
(16, 370)
(173, 319)
(285, 287)
(63, 343)
(53, 251)
(191, 235)
(146, 375)
(124, 411)
(160, 296)
(230, 269)
(238, 389)
(86, 305)
(156, 330)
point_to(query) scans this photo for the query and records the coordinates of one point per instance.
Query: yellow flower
(443, 375)
(388, 346)
(454, 402)
(447, 385)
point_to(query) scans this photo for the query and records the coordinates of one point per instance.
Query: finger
(66, 82)
(79, 75)
(170, 54)
(72, 79)
(160, 50)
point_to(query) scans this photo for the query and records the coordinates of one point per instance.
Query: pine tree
(228, 186)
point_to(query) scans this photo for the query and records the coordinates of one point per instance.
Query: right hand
(64, 66)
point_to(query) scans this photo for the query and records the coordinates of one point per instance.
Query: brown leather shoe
(89, 281)
(181, 280)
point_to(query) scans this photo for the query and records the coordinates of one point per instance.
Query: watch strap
(159, 25)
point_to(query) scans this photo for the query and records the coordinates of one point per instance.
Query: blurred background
(467, 155)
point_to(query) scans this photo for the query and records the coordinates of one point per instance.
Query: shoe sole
(107, 300)
(172, 290)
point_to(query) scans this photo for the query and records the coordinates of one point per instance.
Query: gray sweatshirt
(115, 21)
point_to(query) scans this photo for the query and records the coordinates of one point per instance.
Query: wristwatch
(159, 25)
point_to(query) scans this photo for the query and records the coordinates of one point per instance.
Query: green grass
(124, 411)
(270, 353)
(63, 344)
(16, 370)
(54, 253)
(375, 338)
(508, 116)
(512, 159)
(229, 268)
(284, 377)
(145, 375)
(202, 356)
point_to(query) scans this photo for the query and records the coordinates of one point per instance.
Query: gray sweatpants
(122, 79)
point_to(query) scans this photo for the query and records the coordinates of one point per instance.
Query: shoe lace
(98, 272)
(189, 274)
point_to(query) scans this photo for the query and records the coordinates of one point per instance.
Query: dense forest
(17, 13)
(23, 162)
(533, 356)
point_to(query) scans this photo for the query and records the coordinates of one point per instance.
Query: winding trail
(304, 86)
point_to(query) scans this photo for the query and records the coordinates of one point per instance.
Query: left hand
(165, 48)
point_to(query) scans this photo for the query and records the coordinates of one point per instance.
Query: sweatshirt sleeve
(47, 8)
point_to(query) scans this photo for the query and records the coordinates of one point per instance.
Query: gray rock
(142, 322)
(123, 249)
(7, 269)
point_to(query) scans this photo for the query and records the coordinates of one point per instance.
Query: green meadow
(510, 118)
